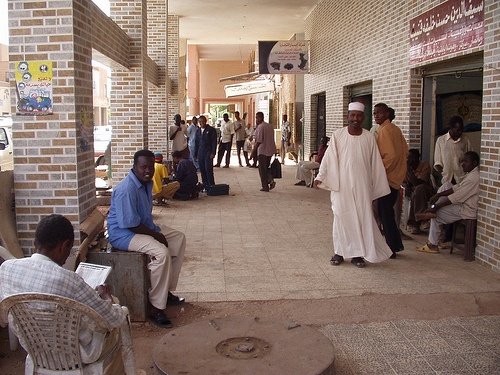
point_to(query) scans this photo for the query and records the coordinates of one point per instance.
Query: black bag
(218, 189)
(276, 168)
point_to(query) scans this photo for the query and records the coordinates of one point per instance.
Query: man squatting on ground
(163, 189)
(131, 227)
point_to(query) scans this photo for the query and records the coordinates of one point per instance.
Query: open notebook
(93, 274)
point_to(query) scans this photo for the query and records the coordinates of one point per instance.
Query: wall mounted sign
(34, 87)
(253, 87)
(284, 57)
(456, 25)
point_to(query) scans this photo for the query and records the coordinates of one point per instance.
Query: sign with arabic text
(246, 88)
(34, 87)
(455, 25)
(284, 57)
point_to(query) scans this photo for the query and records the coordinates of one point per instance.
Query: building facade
(360, 50)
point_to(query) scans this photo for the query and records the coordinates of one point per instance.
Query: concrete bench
(129, 280)
(468, 243)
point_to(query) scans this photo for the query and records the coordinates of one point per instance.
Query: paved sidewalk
(257, 246)
(267, 254)
(254, 245)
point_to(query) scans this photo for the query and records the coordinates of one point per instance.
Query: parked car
(102, 137)
(6, 147)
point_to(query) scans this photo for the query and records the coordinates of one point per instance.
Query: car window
(3, 136)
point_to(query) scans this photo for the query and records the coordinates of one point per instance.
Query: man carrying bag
(263, 151)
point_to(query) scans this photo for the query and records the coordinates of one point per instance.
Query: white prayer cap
(356, 106)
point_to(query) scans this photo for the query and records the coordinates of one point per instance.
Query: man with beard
(353, 171)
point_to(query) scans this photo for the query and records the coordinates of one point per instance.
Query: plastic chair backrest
(48, 328)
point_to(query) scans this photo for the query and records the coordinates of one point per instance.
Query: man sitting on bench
(131, 227)
(453, 202)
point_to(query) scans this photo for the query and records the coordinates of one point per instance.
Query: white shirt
(39, 274)
(227, 130)
(241, 133)
(179, 143)
(448, 153)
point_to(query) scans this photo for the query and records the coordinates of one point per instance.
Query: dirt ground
(314, 313)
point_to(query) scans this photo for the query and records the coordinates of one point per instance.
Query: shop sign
(246, 88)
(456, 25)
(284, 57)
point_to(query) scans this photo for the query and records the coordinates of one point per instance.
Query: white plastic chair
(48, 328)
(13, 342)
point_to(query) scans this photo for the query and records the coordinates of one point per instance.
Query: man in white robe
(353, 171)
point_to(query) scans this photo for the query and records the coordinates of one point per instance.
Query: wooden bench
(129, 280)
(468, 243)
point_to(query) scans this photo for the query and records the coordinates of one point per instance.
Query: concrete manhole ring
(244, 346)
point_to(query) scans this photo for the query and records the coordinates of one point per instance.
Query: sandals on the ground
(358, 262)
(336, 260)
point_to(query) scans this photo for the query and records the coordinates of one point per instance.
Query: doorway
(320, 119)
(450, 89)
(362, 92)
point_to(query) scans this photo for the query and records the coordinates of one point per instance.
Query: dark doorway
(321, 118)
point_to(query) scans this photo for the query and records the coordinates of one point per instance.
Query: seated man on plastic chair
(304, 168)
(453, 202)
(43, 273)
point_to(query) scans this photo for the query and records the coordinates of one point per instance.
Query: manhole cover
(243, 347)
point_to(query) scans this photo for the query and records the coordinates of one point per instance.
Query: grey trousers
(445, 215)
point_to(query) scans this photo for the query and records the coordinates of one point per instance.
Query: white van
(6, 148)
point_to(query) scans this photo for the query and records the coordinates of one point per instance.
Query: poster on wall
(34, 87)
(284, 57)
(454, 26)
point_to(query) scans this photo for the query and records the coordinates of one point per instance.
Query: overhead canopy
(241, 77)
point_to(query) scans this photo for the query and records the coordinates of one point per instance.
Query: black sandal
(358, 262)
(336, 260)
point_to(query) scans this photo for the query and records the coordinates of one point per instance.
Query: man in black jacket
(205, 146)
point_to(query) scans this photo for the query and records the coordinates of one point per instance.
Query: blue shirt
(192, 135)
(131, 205)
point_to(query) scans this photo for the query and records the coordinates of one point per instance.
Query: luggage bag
(218, 189)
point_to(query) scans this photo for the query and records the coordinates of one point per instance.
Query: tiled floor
(446, 346)
(253, 245)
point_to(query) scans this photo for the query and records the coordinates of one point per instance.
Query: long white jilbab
(353, 171)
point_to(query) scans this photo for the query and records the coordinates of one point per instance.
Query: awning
(241, 77)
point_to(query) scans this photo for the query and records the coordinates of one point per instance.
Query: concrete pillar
(129, 89)
(157, 51)
(173, 67)
(53, 154)
(182, 93)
